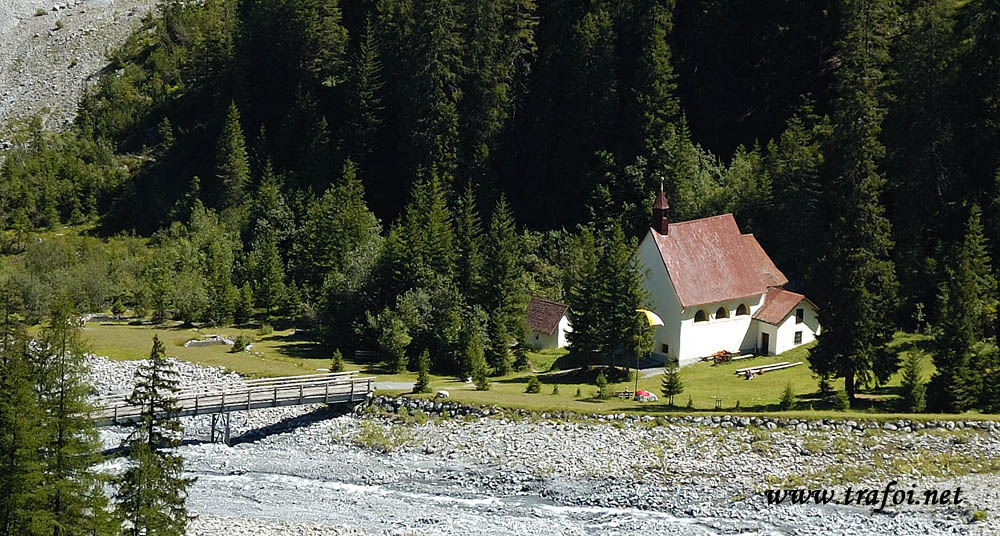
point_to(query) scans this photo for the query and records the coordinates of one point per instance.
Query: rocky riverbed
(312, 470)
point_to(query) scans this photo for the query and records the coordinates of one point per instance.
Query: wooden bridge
(222, 399)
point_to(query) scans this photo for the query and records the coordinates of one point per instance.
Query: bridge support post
(215, 419)
(226, 437)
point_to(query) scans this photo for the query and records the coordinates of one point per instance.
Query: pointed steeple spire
(661, 213)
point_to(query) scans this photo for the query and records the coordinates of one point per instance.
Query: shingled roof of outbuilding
(544, 315)
(778, 303)
(709, 260)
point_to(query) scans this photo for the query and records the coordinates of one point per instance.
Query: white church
(716, 289)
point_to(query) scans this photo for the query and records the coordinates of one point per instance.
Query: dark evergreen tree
(72, 492)
(858, 297)
(152, 490)
(423, 383)
(470, 265)
(671, 384)
(913, 388)
(957, 381)
(21, 438)
(268, 274)
(232, 164)
(584, 300)
(430, 231)
(364, 99)
(499, 38)
(337, 363)
(505, 296)
(434, 69)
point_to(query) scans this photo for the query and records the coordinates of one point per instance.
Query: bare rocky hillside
(51, 49)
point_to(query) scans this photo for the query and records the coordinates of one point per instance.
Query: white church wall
(733, 334)
(788, 327)
(664, 300)
(564, 328)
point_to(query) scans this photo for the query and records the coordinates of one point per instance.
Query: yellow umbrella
(653, 318)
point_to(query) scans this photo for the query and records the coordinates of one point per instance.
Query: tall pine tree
(152, 491)
(232, 163)
(71, 493)
(858, 296)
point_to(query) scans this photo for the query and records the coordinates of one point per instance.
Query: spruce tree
(470, 264)
(268, 273)
(653, 104)
(787, 399)
(860, 287)
(956, 383)
(477, 364)
(620, 294)
(584, 300)
(152, 491)
(498, 352)
(912, 388)
(232, 164)
(337, 363)
(244, 305)
(21, 438)
(505, 296)
(671, 384)
(430, 229)
(423, 384)
(434, 85)
(364, 98)
(500, 40)
(71, 493)
(984, 291)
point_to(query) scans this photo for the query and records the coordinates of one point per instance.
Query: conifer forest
(402, 176)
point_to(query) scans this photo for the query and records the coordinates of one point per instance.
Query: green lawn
(284, 353)
(280, 353)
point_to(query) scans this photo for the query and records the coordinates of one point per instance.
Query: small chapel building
(548, 324)
(716, 289)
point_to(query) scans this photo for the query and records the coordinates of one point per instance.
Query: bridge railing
(120, 396)
(271, 392)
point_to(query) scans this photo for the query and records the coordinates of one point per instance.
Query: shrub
(555, 389)
(59, 24)
(265, 329)
(690, 404)
(481, 379)
(840, 402)
(337, 364)
(979, 515)
(603, 391)
(380, 438)
(423, 384)
(912, 388)
(671, 385)
(579, 393)
(534, 386)
(117, 308)
(787, 399)
(241, 343)
(521, 362)
(40, 12)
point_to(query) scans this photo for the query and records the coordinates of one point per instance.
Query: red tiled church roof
(777, 304)
(709, 260)
(544, 315)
